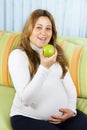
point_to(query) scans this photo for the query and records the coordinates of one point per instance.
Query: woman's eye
(49, 29)
(38, 27)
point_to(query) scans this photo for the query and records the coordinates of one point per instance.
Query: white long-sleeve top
(45, 94)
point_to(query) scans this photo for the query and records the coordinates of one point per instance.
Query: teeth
(42, 38)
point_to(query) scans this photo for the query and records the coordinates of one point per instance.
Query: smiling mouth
(42, 39)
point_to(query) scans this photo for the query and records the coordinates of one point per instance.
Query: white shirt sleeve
(26, 89)
(71, 91)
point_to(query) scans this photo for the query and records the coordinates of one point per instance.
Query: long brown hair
(33, 56)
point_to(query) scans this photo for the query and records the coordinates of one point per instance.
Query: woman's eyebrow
(46, 25)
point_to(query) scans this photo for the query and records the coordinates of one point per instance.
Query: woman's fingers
(48, 61)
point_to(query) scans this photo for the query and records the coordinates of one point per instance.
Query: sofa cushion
(6, 97)
(8, 41)
(82, 104)
(77, 59)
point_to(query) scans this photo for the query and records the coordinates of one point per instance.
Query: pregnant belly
(51, 107)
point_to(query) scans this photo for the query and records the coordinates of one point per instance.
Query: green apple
(48, 50)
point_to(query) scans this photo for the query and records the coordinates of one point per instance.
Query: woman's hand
(48, 61)
(66, 114)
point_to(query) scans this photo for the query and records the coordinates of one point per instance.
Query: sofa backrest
(76, 54)
(77, 58)
(8, 42)
(73, 40)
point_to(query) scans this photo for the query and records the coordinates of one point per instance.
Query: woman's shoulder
(18, 54)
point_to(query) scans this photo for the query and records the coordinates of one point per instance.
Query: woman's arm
(71, 91)
(26, 89)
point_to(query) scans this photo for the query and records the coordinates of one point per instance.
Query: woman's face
(42, 32)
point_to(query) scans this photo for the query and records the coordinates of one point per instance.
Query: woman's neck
(34, 47)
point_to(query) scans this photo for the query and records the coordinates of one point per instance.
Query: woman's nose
(43, 31)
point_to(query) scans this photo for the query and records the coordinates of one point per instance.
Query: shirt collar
(34, 47)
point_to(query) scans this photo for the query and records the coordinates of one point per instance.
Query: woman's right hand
(47, 62)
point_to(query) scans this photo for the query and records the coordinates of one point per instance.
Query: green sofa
(76, 52)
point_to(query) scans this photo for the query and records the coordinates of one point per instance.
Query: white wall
(70, 15)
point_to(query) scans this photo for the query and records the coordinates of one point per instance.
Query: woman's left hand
(66, 114)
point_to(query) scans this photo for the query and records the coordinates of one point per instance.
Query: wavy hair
(33, 56)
